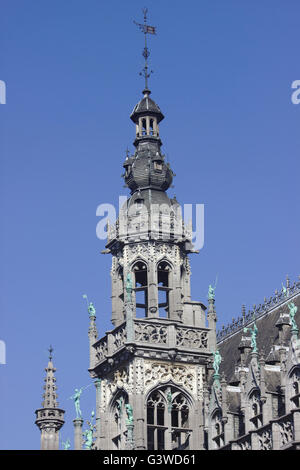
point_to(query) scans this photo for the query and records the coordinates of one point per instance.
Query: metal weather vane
(146, 29)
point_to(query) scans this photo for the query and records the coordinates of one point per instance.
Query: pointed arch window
(168, 414)
(295, 387)
(217, 429)
(163, 286)
(255, 409)
(118, 422)
(141, 288)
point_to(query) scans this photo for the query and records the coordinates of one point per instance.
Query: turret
(50, 418)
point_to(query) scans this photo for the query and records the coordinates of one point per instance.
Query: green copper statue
(293, 310)
(90, 306)
(217, 361)
(66, 445)
(211, 290)
(253, 332)
(89, 433)
(129, 287)
(129, 412)
(169, 400)
(284, 290)
(76, 398)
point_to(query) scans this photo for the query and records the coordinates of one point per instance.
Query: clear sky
(222, 76)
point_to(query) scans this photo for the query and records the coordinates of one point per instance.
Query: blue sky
(222, 76)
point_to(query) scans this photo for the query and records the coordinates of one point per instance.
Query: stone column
(148, 125)
(78, 422)
(98, 421)
(130, 437)
(212, 321)
(296, 419)
(152, 291)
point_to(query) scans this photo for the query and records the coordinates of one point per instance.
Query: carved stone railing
(285, 426)
(278, 434)
(153, 333)
(118, 338)
(243, 443)
(162, 333)
(101, 349)
(191, 338)
(264, 438)
(259, 310)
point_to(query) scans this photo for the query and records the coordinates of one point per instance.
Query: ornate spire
(50, 395)
(50, 418)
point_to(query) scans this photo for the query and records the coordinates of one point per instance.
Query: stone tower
(152, 367)
(50, 418)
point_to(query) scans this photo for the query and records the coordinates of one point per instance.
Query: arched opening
(144, 127)
(255, 409)
(163, 286)
(294, 387)
(141, 289)
(217, 429)
(118, 427)
(168, 412)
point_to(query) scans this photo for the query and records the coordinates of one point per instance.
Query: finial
(50, 353)
(287, 281)
(146, 29)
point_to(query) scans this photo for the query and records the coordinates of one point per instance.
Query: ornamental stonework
(118, 379)
(160, 372)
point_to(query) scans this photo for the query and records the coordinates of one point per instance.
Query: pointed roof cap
(146, 106)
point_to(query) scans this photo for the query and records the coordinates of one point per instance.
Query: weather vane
(146, 29)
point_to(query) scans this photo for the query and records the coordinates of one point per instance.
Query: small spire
(50, 418)
(244, 313)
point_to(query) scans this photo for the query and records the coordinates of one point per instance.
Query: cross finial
(146, 29)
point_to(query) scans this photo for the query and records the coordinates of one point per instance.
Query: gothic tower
(154, 364)
(50, 418)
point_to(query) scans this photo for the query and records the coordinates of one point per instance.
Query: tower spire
(146, 29)
(50, 418)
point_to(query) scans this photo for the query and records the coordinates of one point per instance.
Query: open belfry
(165, 378)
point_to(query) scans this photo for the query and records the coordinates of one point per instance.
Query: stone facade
(158, 359)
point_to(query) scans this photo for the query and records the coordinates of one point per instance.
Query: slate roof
(267, 336)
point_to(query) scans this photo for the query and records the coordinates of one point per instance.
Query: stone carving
(162, 372)
(150, 333)
(191, 338)
(119, 378)
(119, 338)
(265, 439)
(139, 375)
(101, 349)
(286, 429)
(129, 287)
(242, 444)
